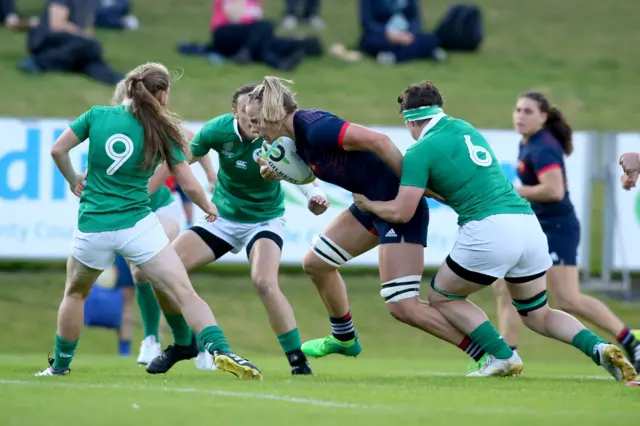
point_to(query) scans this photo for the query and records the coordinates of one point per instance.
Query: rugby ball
(282, 157)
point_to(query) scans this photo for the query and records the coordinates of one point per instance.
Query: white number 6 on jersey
(119, 158)
(474, 150)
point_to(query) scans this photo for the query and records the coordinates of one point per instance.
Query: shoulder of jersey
(222, 124)
(107, 108)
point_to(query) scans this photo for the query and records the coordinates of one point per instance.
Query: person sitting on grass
(240, 34)
(392, 32)
(64, 41)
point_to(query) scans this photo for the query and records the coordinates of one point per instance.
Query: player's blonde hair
(161, 127)
(276, 100)
(120, 94)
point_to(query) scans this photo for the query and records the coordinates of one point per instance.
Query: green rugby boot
(477, 365)
(318, 348)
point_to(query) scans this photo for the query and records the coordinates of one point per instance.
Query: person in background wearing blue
(546, 139)
(392, 32)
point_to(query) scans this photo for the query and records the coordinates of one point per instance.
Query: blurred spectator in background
(392, 32)
(308, 10)
(10, 18)
(63, 41)
(114, 14)
(241, 35)
(126, 284)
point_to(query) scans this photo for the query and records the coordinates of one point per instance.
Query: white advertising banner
(627, 211)
(38, 213)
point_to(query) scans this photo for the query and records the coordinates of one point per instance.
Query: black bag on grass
(461, 28)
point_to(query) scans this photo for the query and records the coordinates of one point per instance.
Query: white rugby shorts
(503, 245)
(138, 244)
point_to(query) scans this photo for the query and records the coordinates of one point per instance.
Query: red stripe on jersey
(548, 168)
(374, 232)
(343, 130)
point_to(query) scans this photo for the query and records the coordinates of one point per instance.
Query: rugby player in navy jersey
(546, 139)
(362, 161)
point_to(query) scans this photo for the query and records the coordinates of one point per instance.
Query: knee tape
(329, 251)
(532, 304)
(449, 296)
(401, 288)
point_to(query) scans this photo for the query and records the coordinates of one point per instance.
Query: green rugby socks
(212, 338)
(290, 341)
(586, 341)
(490, 340)
(182, 334)
(149, 310)
(63, 353)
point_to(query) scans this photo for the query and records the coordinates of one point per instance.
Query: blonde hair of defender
(277, 101)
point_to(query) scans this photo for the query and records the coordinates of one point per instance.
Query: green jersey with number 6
(454, 160)
(241, 194)
(116, 193)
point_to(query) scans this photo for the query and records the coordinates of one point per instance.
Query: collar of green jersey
(432, 123)
(237, 129)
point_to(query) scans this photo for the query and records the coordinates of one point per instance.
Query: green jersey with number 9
(116, 194)
(454, 160)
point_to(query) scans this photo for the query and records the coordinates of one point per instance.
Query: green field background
(582, 53)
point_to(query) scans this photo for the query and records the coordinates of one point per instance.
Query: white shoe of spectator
(386, 58)
(439, 54)
(290, 23)
(317, 23)
(130, 22)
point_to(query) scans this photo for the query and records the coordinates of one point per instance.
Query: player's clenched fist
(629, 181)
(267, 172)
(211, 212)
(630, 162)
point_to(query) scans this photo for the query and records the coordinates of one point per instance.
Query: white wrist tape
(310, 190)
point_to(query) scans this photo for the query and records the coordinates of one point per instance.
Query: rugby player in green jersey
(126, 144)
(168, 210)
(498, 236)
(251, 216)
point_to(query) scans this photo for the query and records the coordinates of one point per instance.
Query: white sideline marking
(316, 402)
(265, 396)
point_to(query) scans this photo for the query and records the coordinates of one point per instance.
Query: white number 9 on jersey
(119, 158)
(475, 153)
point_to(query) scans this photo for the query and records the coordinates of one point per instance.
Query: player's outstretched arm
(359, 138)
(399, 210)
(192, 188)
(60, 154)
(413, 184)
